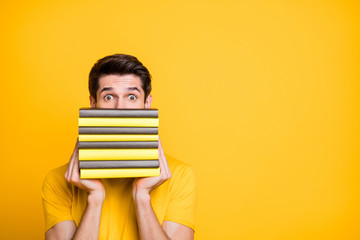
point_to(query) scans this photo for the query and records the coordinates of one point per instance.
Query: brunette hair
(120, 64)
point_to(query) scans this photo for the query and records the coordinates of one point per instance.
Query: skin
(117, 91)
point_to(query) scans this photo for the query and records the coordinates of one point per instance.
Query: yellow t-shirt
(174, 201)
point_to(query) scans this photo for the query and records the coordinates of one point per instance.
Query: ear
(92, 102)
(148, 101)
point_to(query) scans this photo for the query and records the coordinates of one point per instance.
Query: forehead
(120, 82)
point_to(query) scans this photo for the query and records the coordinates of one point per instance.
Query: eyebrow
(128, 89)
(106, 89)
(133, 89)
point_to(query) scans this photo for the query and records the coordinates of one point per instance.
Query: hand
(93, 187)
(147, 184)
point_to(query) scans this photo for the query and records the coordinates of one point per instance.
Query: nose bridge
(120, 103)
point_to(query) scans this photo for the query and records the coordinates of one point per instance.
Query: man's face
(117, 91)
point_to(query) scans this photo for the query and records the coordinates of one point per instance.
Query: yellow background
(260, 97)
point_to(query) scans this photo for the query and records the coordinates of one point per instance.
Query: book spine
(118, 130)
(119, 164)
(114, 137)
(111, 144)
(119, 122)
(119, 172)
(133, 113)
(118, 154)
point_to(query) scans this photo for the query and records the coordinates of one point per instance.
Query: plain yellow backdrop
(260, 97)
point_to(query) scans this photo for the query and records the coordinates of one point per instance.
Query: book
(132, 113)
(119, 122)
(118, 154)
(118, 130)
(119, 164)
(119, 172)
(117, 137)
(119, 144)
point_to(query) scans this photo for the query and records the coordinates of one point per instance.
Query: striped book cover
(118, 130)
(119, 164)
(117, 137)
(118, 143)
(119, 173)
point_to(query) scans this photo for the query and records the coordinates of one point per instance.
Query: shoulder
(182, 191)
(55, 181)
(56, 174)
(182, 173)
(57, 196)
(178, 167)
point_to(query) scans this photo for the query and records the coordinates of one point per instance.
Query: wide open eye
(108, 97)
(132, 97)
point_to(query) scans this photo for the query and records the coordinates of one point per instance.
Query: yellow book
(119, 122)
(119, 173)
(118, 154)
(117, 137)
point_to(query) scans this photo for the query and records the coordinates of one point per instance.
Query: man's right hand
(93, 187)
(90, 222)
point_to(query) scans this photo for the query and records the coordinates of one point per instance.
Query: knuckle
(166, 177)
(73, 179)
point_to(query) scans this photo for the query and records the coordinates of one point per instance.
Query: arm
(149, 226)
(177, 231)
(88, 228)
(90, 222)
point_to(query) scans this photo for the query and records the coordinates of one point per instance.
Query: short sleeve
(181, 208)
(56, 198)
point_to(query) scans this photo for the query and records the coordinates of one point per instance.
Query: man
(125, 208)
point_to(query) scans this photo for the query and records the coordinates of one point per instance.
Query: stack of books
(115, 143)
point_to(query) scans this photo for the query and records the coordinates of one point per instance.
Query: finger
(69, 168)
(74, 160)
(76, 164)
(162, 167)
(67, 172)
(163, 160)
(71, 162)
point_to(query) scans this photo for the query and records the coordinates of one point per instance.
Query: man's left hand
(143, 186)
